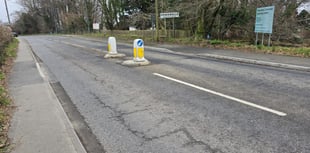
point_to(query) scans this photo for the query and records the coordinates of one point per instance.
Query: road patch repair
(223, 95)
(138, 55)
(112, 49)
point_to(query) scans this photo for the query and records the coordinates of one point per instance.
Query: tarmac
(39, 123)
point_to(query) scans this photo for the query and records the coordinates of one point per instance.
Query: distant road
(179, 103)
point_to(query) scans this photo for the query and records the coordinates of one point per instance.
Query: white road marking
(223, 95)
(40, 70)
(37, 65)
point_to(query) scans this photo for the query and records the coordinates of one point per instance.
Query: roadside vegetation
(8, 48)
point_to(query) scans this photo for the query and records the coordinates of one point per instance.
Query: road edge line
(282, 114)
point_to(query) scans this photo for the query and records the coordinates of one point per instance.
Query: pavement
(39, 123)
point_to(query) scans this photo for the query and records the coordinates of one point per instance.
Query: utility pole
(157, 20)
(7, 12)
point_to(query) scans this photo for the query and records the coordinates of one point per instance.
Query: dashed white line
(223, 95)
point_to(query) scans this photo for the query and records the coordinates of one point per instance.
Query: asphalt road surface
(179, 103)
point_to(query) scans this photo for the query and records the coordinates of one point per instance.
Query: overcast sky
(12, 6)
(305, 6)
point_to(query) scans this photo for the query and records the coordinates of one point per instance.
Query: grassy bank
(6, 59)
(243, 46)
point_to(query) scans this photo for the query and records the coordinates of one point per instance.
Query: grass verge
(8, 55)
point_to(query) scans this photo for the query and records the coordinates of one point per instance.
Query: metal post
(263, 40)
(256, 39)
(269, 40)
(153, 26)
(157, 20)
(173, 28)
(166, 33)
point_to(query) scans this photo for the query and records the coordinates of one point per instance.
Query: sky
(12, 6)
(305, 6)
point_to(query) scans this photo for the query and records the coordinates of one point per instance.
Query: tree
(140, 12)
(223, 18)
(111, 10)
(27, 24)
(304, 19)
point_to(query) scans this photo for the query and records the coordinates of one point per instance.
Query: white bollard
(112, 49)
(138, 50)
(138, 55)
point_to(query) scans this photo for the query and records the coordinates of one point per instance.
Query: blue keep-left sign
(140, 43)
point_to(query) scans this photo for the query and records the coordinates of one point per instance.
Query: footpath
(39, 123)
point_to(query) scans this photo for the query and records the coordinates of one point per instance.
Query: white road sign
(169, 15)
(96, 26)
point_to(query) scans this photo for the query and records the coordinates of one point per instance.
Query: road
(179, 103)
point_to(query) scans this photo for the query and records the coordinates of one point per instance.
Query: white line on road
(223, 95)
(37, 64)
(40, 70)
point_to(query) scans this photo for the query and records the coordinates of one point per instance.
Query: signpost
(96, 26)
(170, 15)
(264, 22)
(153, 19)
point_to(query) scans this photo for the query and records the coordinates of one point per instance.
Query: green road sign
(264, 19)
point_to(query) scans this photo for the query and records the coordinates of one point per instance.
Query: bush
(8, 47)
(5, 35)
(5, 39)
